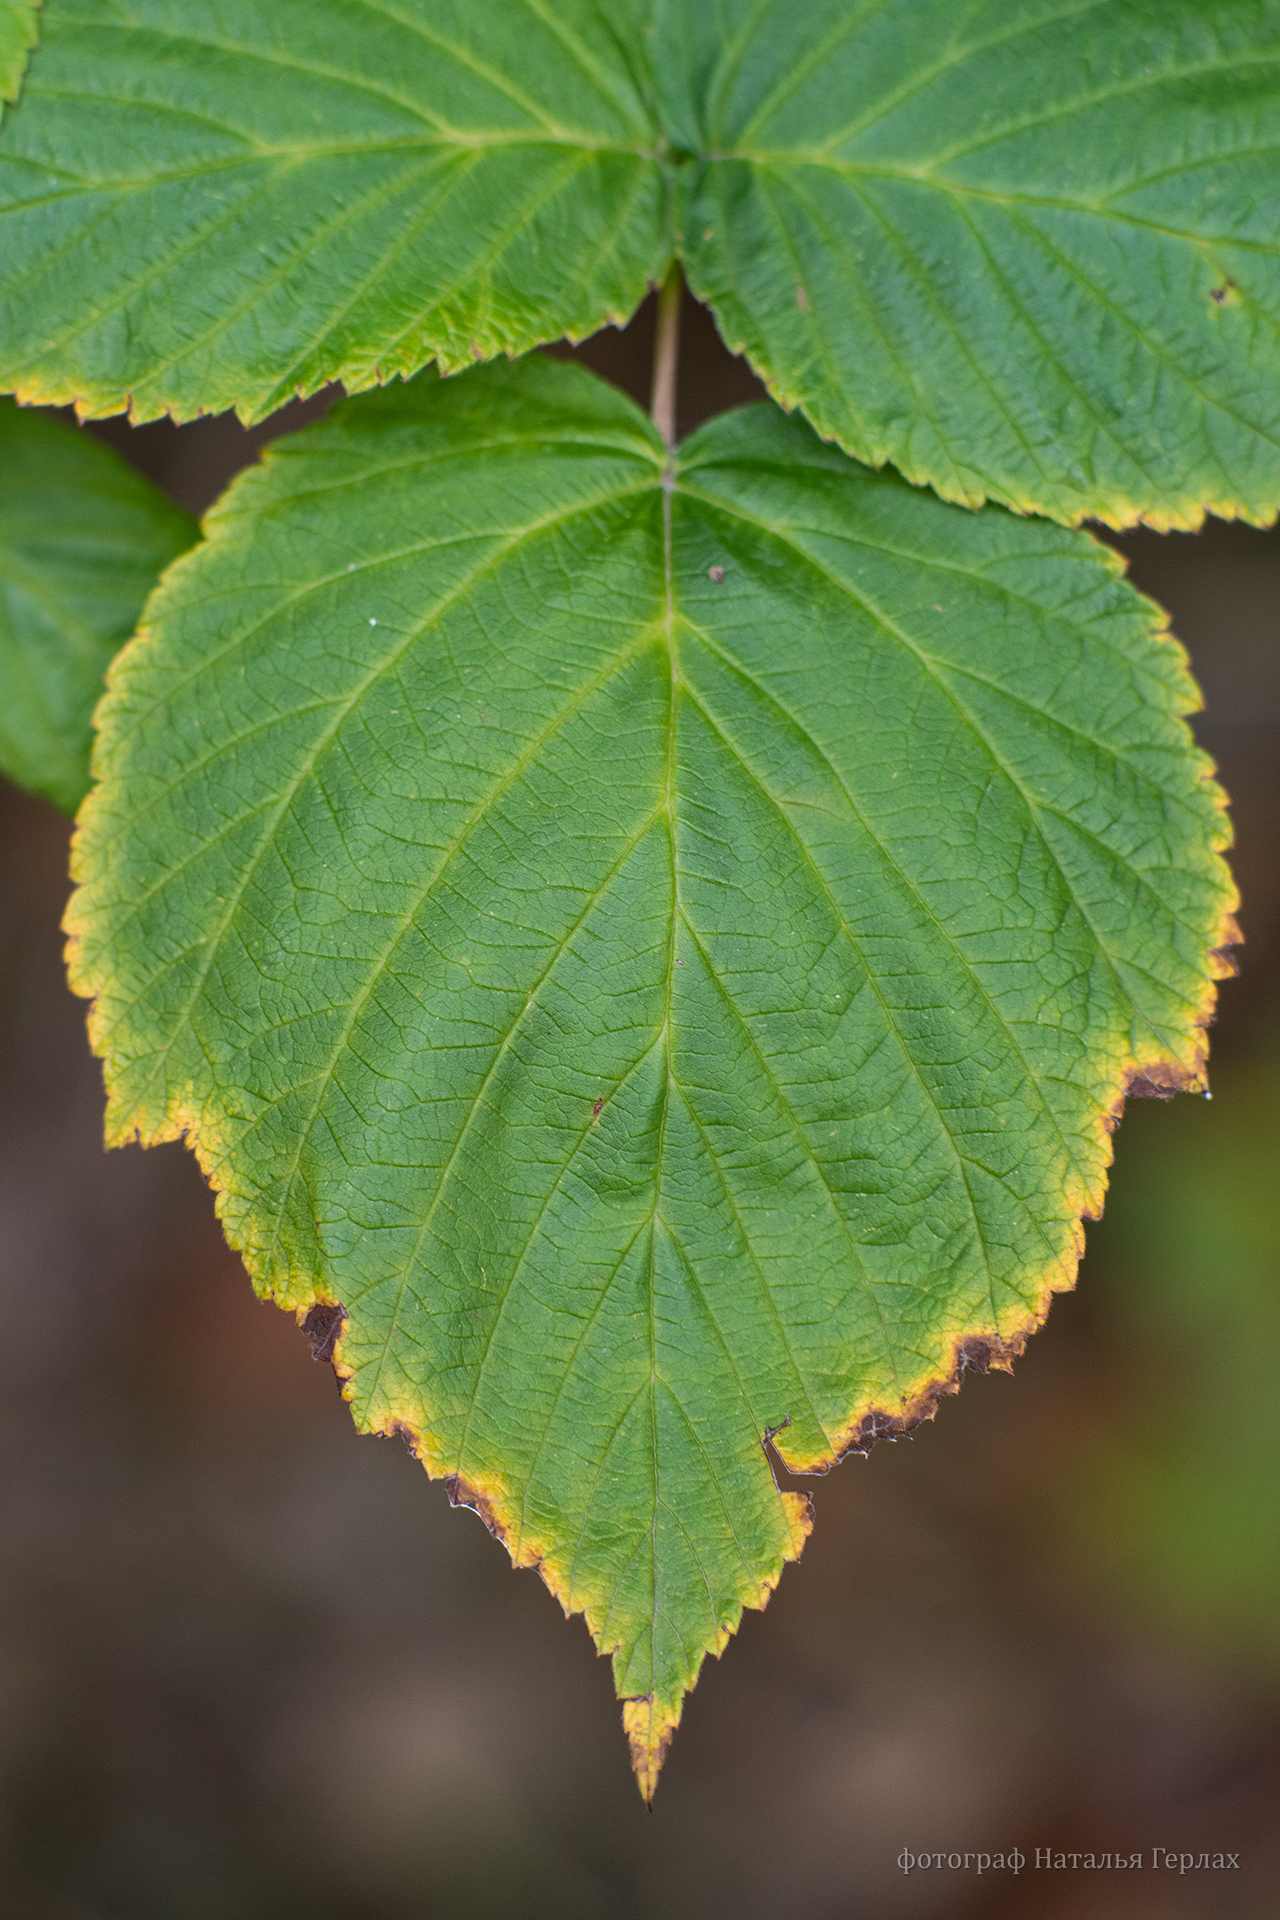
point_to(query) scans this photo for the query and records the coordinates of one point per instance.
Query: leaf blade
(258, 206)
(667, 958)
(1058, 249)
(83, 538)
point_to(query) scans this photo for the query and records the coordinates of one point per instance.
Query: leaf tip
(649, 1725)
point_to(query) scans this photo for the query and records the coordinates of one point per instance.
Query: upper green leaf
(661, 949)
(1027, 252)
(82, 539)
(19, 31)
(1023, 249)
(205, 208)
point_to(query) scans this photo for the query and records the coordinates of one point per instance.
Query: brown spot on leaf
(595, 1110)
(1222, 959)
(715, 575)
(799, 1506)
(1160, 1081)
(1223, 293)
(323, 1327)
(802, 299)
(462, 1494)
(976, 1353)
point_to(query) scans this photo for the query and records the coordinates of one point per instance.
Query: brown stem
(666, 355)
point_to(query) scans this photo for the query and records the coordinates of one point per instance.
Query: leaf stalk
(666, 356)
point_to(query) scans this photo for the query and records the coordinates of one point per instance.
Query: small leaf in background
(255, 200)
(1028, 253)
(83, 538)
(19, 31)
(660, 950)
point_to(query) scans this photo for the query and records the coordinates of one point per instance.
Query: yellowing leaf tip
(649, 1727)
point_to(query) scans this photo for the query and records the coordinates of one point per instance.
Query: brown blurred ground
(253, 1667)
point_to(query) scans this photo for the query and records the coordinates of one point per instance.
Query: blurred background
(253, 1666)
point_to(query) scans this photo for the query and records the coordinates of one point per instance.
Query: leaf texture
(1027, 252)
(83, 538)
(659, 948)
(19, 31)
(252, 201)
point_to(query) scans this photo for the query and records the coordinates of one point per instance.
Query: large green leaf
(19, 32)
(1023, 249)
(82, 539)
(662, 951)
(211, 207)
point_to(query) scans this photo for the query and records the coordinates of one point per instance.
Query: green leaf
(1027, 253)
(661, 951)
(1023, 251)
(19, 31)
(250, 201)
(82, 538)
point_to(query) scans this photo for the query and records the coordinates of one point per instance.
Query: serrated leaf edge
(650, 1721)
